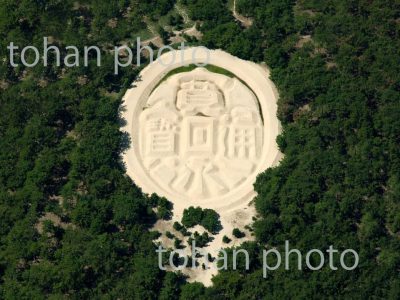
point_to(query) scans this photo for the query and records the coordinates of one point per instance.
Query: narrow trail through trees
(246, 22)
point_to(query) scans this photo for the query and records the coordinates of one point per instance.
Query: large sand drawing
(200, 138)
(200, 135)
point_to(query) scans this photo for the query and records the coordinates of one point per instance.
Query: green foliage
(164, 209)
(207, 218)
(191, 67)
(192, 216)
(169, 235)
(163, 34)
(60, 152)
(176, 21)
(211, 12)
(237, 233)
(226, 240)
(210, 221)
(178, 243)
(177, 226)
(171, 286)
(192, 291)
(182, 229)
(154, 8)
(201, 240)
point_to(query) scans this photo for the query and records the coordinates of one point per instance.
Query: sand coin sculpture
(201, 137)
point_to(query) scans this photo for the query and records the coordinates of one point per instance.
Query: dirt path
(246, 22)
(192, 31)
(156, 39)
(183, 13)
(150, 27)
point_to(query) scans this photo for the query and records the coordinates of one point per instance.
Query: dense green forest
(74, 226)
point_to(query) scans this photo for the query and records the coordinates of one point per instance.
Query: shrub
(169, 235)
(207, 218)
(226, 240)
(177, 226)
(210, 221)
(201, 240)
(237, 233)
(178, 244)
(164, 209)
(192, 216)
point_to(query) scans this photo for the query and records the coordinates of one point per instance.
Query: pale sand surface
(231, 203)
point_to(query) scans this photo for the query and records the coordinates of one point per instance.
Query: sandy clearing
(157, 41)
(234, 208)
